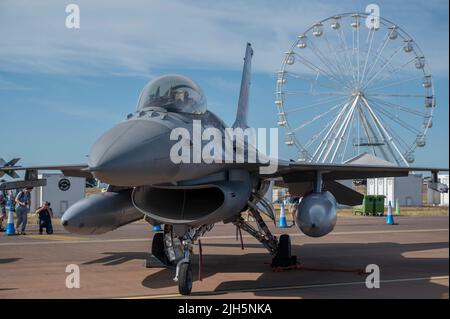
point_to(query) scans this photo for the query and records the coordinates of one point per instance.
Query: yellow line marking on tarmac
(57, 237)
(152, 297)
(206, 293)
(87, 240)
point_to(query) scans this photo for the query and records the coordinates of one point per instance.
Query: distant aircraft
(134, 158)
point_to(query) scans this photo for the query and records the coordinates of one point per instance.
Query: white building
(443, 178)
(433, 197)
(60, 191)
(408, 189)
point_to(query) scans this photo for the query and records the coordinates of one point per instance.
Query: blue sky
(61, 88)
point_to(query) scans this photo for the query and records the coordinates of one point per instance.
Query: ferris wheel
(346, 87)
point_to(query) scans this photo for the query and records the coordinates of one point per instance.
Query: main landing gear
(279, 249)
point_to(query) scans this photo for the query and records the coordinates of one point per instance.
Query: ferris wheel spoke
(372, 35)
(370, 79)
(317, 117)
(315, 68)
(401, 142)
(379, 51)
(396, 118)
(345, 48)
(358, 57)
(393, 72)
(330, 66)
(394, 121)
(339, 63)
(403, 145)
(304, 93)
(393, 136)
(397, 106)
(397, 95)
(395, 83)
(319, 102)
(299, 77)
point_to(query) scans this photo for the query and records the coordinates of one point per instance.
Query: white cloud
(133, 38)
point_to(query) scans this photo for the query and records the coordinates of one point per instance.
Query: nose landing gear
(173, 248)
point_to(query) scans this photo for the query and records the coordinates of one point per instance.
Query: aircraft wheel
(185, 279)
(284, 246)
(284, 257)
(158, 247)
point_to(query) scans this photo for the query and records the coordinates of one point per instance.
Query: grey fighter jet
(188, 197)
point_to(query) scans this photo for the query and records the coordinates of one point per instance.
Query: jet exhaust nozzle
(316, 214)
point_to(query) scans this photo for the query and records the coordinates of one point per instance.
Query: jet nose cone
(73, 220)
(129, 150)
(68, 222)
(70, 225)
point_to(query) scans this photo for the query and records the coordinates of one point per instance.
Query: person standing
(293, 206)
(2, 209)
(23, 201)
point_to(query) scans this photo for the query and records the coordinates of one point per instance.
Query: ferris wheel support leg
(355, 101)
(389, 138)
(367, 127)
(324, 143)
(386, 137)
(344, 131)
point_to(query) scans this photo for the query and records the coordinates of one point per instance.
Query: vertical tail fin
(242, 110)
(12, 162)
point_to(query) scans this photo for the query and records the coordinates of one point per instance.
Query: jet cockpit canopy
(175, 93)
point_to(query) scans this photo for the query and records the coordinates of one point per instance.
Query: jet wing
(77, 170)
(299, 177)
(304, 172)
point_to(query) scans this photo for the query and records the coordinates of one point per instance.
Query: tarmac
(413, 258)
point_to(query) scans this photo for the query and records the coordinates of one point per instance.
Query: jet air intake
(316, 214)
(195, 204)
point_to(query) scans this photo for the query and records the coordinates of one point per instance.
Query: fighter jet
(135, 158)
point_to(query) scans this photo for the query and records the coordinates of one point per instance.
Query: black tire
(284, 247)
(185, 279)
(284, 258)
(158, 247)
